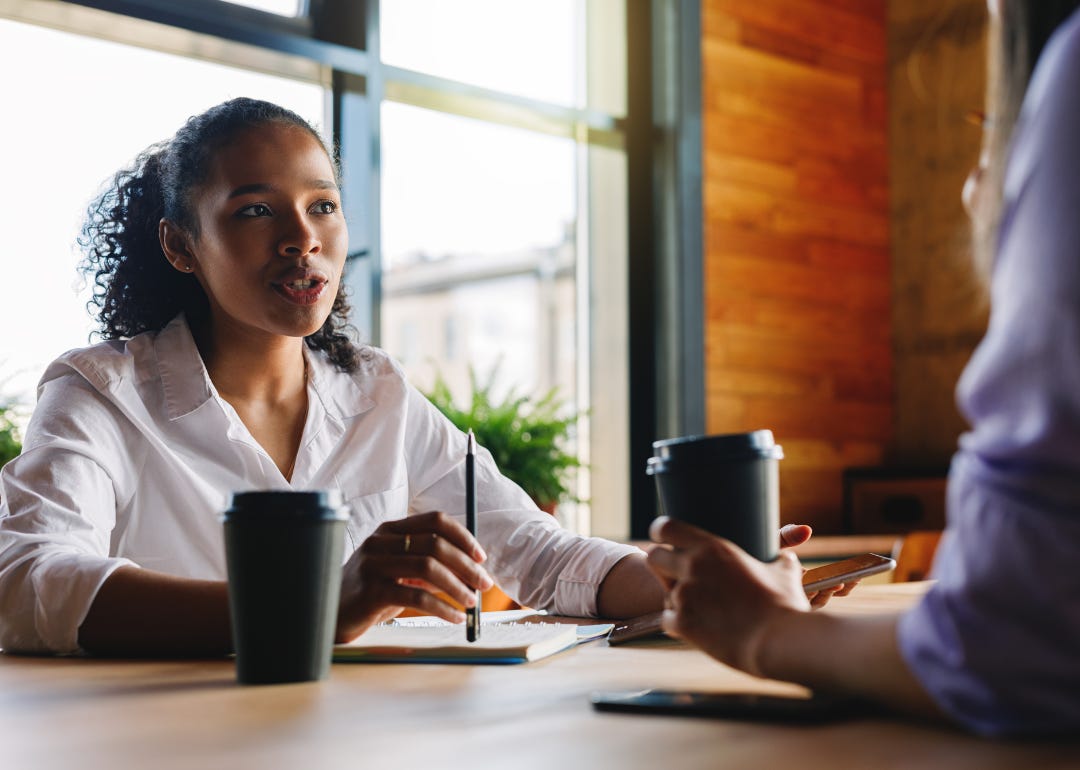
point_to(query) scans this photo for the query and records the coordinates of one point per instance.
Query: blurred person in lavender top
(994, 646)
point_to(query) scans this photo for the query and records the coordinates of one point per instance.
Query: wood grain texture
(797, 275)
(100, 714)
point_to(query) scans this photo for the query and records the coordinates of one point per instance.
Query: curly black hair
(135, 289)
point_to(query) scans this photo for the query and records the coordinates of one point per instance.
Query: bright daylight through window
(486, 257)
(280, 7)
(69, 166)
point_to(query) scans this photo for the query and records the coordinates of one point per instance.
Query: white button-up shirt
(131, 457)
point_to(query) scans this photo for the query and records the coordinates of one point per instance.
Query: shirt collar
(341, 394)
(187, 385)
(184, 379)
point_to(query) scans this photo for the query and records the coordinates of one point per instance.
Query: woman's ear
(174, 242)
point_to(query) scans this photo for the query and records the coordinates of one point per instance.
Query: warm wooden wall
(797, 272)
(936, 76)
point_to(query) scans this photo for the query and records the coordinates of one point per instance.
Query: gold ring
(408, 542)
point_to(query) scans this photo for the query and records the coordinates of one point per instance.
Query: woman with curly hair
(217, 262)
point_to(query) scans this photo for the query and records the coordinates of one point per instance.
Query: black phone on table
(641, 627)
(728, 705)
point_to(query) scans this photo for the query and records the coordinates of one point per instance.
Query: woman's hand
(404, 563)
(720, 598)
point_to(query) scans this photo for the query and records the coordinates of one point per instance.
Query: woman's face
(272, 239)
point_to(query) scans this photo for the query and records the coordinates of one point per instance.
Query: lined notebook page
(486, 618)
(498, 643)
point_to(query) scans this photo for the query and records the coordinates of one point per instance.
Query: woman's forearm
(629, 589)
(141, 612)
(844, 654)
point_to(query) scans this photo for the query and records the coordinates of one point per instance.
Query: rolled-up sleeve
(57, 514)
(996, 642)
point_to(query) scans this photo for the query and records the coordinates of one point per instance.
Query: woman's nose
(298, 237)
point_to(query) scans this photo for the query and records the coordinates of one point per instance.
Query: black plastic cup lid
(758, 444)
(321, 504)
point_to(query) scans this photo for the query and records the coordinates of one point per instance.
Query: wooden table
(86, 714)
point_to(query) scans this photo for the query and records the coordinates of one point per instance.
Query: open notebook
(445, 643)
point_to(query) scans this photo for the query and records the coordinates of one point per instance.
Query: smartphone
(641, 627)
(728, 705)
(846, 570)
(857, 567)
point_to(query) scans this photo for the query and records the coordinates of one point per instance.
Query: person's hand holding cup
(728, 485)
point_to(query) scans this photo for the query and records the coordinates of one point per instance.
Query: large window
(487, 172)
(489, 223)
(479, 250)
(530, 48)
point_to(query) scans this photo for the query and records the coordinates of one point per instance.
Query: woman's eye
(255, 210)
(326, 207)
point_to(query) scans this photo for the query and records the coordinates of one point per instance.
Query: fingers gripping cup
(283, 551)
(726, 484)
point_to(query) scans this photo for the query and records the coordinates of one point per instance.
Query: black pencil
(472, 614)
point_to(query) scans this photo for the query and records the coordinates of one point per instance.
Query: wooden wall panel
(797, 301)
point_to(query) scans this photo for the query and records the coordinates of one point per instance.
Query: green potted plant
(10, 440)
(526, 437)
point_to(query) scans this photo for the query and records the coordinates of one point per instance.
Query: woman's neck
(264, 378)
(263, 369)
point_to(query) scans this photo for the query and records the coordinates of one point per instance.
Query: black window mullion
(642, 258)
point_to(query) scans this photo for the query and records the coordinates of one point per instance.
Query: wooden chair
(914, 555)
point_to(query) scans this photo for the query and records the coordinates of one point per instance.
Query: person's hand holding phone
(720, 598)
(820, 584)
(792, 535)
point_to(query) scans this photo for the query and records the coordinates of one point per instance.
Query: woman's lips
(304, 291)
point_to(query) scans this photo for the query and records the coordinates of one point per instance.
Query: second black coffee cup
(283, 551)
(726, 484)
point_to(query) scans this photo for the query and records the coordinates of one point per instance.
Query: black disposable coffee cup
(283, 552)
(726, 484)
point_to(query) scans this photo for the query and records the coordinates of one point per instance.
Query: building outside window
(489, 256)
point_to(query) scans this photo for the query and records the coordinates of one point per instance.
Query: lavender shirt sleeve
(996, 642)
